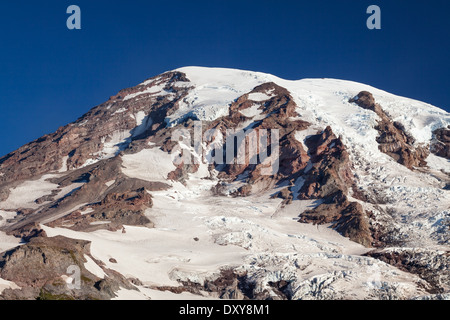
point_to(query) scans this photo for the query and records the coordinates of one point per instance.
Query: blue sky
(51, 75)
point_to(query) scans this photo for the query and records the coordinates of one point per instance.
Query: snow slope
(196, 235)
(214, 90)
(322, 101)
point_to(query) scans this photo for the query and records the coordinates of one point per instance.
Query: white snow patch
(6, 215)
(259, 96)
(67, 279)
(438, 163)
(111, 145)
(302, 135)
(24, 195)
(8, 242)
(64, 164)
(148, 164)
(88, 162)
(98, 223)
(93, 268)
(4, 284)
(86, 211)
(149, 90)
(110, 183)
(252, 112)
(140, 116)
(121, 110)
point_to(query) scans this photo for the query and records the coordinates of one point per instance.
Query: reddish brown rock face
(81, 140)
(348, 218)
(330, 179)
(276, 113)
(330, 170)
(393, 139)
(114, 211)
(441, 143)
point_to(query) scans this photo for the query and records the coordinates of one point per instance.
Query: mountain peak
(195, 176)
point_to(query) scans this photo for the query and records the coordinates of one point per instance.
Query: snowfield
(24, 194)
(196, 235)
(149, 164)
(214, 90)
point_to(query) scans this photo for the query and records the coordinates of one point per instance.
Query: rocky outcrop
(29, 231)
(330, 169)
(112, 213)
(73, 145)
(431, 265)
(347, 218)
(93, 190)
(276, 113)
(393, 138)
(440, 145)
(232, 285)
(41, 268)
(329, 177)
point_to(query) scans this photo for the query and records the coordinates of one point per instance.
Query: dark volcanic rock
(347, 218)
(115, 210)
(330, 178)
(431, 265)
(365, 100)
(331, 171)
(27, 232)
(278, 113)
(441, 143)
(39, 267)
(232, 285)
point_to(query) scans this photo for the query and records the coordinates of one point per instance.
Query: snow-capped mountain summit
(209, 182)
